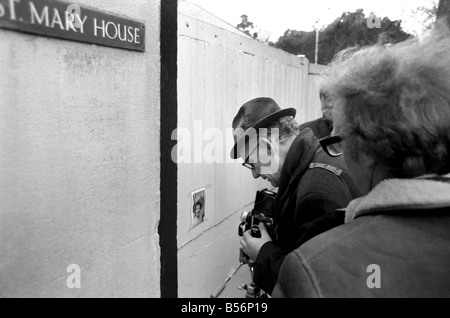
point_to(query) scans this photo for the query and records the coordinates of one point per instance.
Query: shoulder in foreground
(347, 236)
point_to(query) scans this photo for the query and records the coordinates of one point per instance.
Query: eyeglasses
(248, 165)
(332, 145)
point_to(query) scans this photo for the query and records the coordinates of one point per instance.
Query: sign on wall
(72, 22)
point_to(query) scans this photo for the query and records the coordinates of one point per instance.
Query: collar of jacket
(299, 156)
(394, 195)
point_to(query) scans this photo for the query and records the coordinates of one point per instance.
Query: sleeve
(267, 265)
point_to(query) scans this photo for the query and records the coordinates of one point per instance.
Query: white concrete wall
(79, 162)
(218, 72)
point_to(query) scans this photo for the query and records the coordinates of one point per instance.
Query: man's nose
(255, 174)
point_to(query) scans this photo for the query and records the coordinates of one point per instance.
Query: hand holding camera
(254, 239)
(256, 228)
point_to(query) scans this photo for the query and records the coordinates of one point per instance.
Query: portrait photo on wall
(198, 208)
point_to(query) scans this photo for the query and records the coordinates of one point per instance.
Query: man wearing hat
(311, 185)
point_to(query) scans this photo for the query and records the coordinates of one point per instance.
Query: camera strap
(327, 167)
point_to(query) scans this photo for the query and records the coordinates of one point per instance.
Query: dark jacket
(321, 127)
(402, 226)
(305, 204)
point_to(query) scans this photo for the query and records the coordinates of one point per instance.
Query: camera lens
(244, 216)
(241, 230)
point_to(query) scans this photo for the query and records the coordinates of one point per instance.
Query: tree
(349, 30)
(252, 30)
(426, 14)
(246, 26)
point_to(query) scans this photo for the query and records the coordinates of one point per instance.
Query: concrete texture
(79, 162)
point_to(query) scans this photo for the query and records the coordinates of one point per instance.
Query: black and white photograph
(198, 207)
(224, 149)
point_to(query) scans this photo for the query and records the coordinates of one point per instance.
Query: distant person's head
(327, 105)
(198, 209)
(392, 110)
(263, 134)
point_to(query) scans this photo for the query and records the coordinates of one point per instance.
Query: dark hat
(258, 113)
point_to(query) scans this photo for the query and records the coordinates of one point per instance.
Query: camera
(262, 212)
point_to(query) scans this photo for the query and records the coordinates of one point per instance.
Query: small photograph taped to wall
(198, 208)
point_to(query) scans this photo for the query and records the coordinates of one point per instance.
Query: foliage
(252, 30)
(349, 30)
(247, 27)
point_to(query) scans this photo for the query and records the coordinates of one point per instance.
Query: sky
(274, 17)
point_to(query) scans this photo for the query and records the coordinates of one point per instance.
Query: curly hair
(395, 103)
(287, 127)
